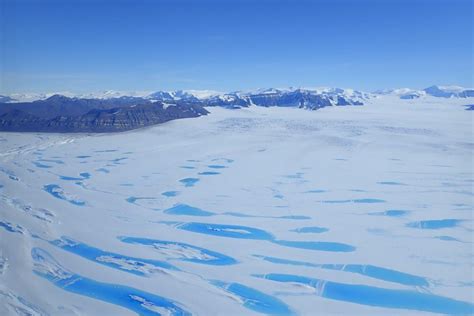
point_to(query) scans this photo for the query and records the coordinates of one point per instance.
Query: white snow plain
(345, 210)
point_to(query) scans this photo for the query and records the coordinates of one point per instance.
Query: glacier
(362, 210)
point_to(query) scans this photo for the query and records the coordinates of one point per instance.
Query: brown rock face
(101, 120)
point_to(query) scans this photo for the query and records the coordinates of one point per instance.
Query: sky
(88, 46)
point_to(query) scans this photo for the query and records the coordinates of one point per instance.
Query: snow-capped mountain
(265, 97)
(303, 98)
(112, 111)
(433, 91)
(25, 97)
(6, 99)
(107, 94)
(60, 113)
(449, 92)
(179, 95)
(308, 98)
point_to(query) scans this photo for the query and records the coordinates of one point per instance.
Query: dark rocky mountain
(58, 105)
(228, 100)
(5, 99)
(173, 96)
(301, 98)
(117, 119)
(59, 113)
(101, 113)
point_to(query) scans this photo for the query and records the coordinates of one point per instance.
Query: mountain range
(62, 114)
(433, 91)
(211, 96)
(112, 111)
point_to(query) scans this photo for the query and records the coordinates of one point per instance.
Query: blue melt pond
(114, 260)
(435, 224)
(236, 214)
(78, 203)
(337, 201)
(297, 217)
(69, 178)
(183, 209)
(56, 191)
(316, 245)
(206, 256)
(256, 300)
(56, 161)
(208, 173)
(223, 159)
(83, 176)
(286, 261)
(381, 297)
(447, 238)
(231, 231)
(140, 302)
(133, 199)
(189, 182)
(311, 229)
(40, 165)
(216, 166)
(366, 270)
(368, 201)
(379, 273)
(390, 183)
(10, 227)
(315, 191)
(117, 160)
(391, 213)
(170, 193)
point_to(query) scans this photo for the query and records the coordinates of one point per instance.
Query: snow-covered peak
(449, 91)
(182, 95)
(266, 91)
(110, 94)
(397, 91)
(449, 88)
(433, 91)
(30, 97)
(203, 94)
(107, 94)
(6, 99)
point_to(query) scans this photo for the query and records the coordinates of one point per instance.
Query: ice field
(363, 210)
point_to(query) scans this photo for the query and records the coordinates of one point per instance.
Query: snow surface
(345, 210)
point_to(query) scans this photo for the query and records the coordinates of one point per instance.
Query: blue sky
(86, 46)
